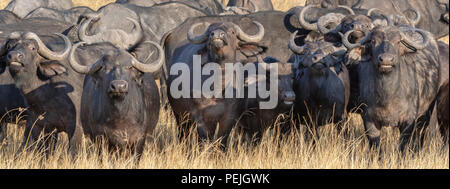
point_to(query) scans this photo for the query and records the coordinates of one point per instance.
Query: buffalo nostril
(119, 86)
(386, 58)
(380, 58)
(315, 58)
(14, 56)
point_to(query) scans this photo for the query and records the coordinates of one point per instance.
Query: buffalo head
(385, 45)
(26, 55)
(107, 26)
(118, 73)
(326, 23)
(319, 53)
(222, 40)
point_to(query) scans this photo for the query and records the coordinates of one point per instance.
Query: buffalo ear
(357, 55)
(250, 49)
(51, 68)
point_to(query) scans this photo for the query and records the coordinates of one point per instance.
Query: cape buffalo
(11, 99)
(44, 26)
(70, 15)
(51, 89)
(443, 113)
(399, 81)
(255, 121)
(322, 83)
(120, 98)
(433, 13)
(125, 25)
(218, 44)
(8, 17)
(22, 7)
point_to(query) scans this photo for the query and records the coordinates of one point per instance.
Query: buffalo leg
(140, 149)
(226, 124)
(444, 134)
(373, 132)
(406, 136)
(50, 143)
(3, 131)
(75, 140)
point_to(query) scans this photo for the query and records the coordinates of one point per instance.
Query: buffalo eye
(9, 45)
(32, 47)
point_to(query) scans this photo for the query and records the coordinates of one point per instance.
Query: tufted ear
(251, 49)
(51, 68)
(357, 55)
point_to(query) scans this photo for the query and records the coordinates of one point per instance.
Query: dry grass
(164, 150)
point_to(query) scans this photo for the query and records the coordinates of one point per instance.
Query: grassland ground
(330, 150)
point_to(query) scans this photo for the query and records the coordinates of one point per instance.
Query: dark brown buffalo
(443, 112)
(11, 99)
(120, 98)
(50, 87)
(399, 81)
(217, 44)
(125, 25)
(322, 83)
(255, 121)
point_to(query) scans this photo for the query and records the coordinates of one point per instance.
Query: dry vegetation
(164, 150)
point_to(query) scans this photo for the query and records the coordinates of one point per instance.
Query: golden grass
(164, 151)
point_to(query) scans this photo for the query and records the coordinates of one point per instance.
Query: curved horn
(197, 39)
(137, 34)
(13, 35)
(82, 31)
(294, 47)
(329, 18)
(418, 46)
(350, 10)
(301, 19)
(416, 20)
(372, 10)
(74, 63)
(47, 53)
(120, 37)
(250, 38)
(90, 15)
(350, 45)
(152, 67)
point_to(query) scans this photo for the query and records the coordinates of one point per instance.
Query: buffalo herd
(95, 72)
